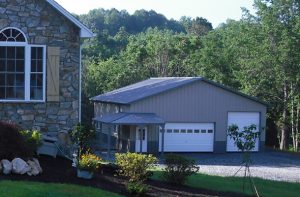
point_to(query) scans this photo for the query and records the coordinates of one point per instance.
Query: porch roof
(131, 119)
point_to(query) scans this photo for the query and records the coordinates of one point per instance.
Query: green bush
(137, 188)
(135, 166)
(12, 143)
(178, 169)
(32, 139)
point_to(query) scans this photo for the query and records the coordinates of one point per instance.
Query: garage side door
(242, 119)
(188, 137)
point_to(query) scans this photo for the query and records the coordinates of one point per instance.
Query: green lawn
(230, 184)
(265, 188)
(33, 189)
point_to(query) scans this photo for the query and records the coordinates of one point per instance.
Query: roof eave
(84, 31)
(108, 102)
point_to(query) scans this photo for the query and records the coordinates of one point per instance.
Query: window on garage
(176, 130)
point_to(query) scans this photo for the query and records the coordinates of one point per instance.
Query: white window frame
(27, 70)
(44, 73)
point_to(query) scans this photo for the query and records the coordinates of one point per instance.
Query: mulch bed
(59, 170)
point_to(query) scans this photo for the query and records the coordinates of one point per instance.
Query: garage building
(177, 114)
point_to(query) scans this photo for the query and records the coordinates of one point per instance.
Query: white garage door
(242, 119)
(188, 137)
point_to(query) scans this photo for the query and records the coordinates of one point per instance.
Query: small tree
(245, 141)
(81, 137)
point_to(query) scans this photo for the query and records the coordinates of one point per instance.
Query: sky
(215, 11)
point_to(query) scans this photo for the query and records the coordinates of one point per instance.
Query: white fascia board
(84, 31)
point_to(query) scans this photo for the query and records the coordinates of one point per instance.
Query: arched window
(22, 68)
(12, 35)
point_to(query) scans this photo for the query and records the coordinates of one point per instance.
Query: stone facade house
(40, 65)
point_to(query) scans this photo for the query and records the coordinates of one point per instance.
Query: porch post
(108, 140)
(100, 131)
(162, 139)
(118, 138)
(141, 138)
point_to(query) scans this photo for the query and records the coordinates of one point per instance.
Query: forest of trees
(258, 55)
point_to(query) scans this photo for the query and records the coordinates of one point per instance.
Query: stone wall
(44, 25)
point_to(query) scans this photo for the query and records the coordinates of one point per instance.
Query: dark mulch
(59, 170)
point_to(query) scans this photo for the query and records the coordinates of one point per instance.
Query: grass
(34, 189)
(266, 188)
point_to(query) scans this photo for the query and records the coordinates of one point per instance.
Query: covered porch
(130, 132)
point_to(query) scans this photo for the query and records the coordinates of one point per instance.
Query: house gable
(44, 27)
(84, 31)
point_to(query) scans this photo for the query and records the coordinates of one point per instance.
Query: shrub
(89, 162)
(12, 143)
(32, 139)
(137, 188)
(135, 166)
(178, 169)
(81, 135)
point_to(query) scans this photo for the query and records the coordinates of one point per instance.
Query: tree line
(257, 55)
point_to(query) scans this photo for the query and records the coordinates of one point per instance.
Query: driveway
(270, 165)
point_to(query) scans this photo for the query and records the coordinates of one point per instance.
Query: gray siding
(152, 144)
(153, 133)
(200, 102)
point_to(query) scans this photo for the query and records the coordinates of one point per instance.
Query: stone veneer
(44, 25)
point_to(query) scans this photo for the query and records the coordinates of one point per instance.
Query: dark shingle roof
(154, 86)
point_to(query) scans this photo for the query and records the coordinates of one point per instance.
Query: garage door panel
(242, 119)
(188, 137)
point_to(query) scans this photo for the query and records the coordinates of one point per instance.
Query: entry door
(140, 138)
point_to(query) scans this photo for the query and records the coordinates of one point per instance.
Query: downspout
(80, 83)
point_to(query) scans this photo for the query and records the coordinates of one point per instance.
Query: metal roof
(131, 119)
(154, 86)
(143, 89)
(84, 31)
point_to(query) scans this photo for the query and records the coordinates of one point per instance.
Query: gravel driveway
(271, 165)
(267, 165)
